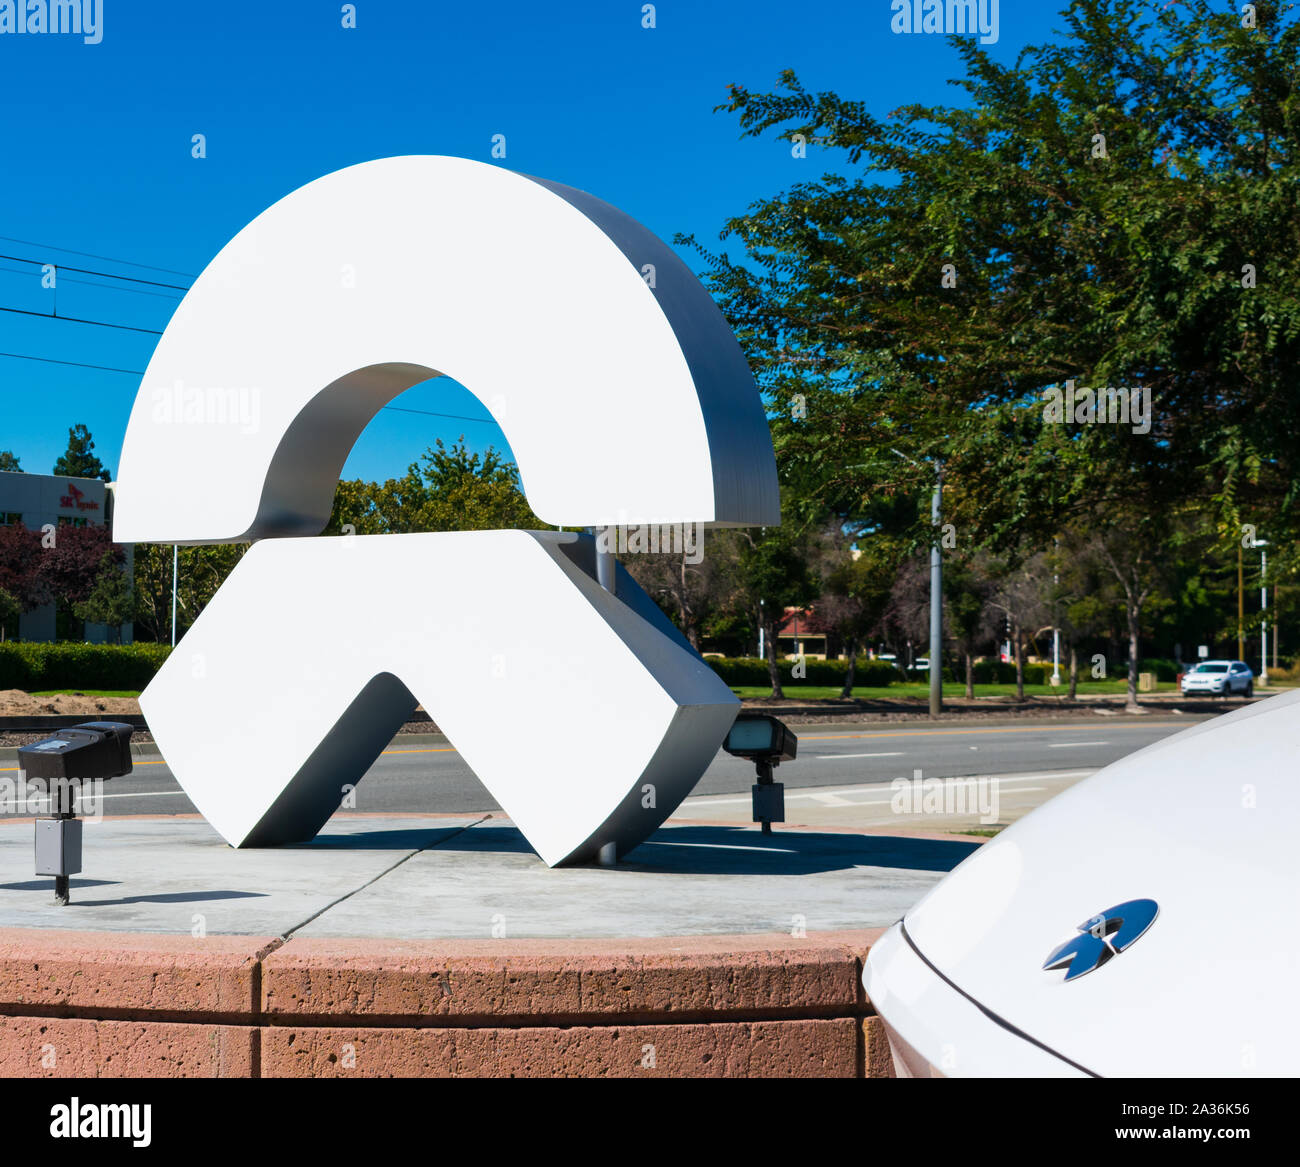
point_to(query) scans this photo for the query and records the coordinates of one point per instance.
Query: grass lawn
(950, 689)
(87, 693)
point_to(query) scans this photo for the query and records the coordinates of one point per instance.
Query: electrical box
(58, 846)
(769, 802)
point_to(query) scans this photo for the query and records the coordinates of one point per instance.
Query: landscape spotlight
(92, 752)
(767, 742)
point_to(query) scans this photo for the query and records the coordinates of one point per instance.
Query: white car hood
(1204, 823)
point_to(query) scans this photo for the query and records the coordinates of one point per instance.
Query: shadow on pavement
(402, 839)
(171, 897)
(47, 883)
(707, 850)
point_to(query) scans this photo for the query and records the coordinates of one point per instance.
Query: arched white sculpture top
(622, 402)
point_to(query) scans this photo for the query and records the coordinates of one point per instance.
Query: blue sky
(97, 149)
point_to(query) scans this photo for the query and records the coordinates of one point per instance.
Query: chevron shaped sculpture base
(585, 714)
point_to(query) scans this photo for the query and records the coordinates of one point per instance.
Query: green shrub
(998, 672)
(752, 671)
(1165, 670)
(71, 667)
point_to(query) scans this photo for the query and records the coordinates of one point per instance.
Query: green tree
(79, 459)
(110, 601)
(1116, 208)
(9, 462)
(967, 590)
(450, 489)
(202, 570)
(774, 574)
(855, 595)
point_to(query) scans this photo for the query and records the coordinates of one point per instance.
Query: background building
(36, 500)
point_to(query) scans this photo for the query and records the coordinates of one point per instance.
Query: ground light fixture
(767, 742)
(92, 752)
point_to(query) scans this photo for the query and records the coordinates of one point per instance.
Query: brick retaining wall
(83, 1004)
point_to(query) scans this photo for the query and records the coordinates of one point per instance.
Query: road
(427, 775)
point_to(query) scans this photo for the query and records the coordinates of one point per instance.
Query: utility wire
(93, 284)
(106, 258)
(138, 373)
(78, 320)
(430, 413)
(74, 364)
(108, 275)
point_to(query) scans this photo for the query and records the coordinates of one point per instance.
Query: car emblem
(1104, 936)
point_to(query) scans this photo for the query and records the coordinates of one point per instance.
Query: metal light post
(1263, 611)
(1056, 631)
(175, 562)
(936, 599)
(936, 587)
(1241, 610)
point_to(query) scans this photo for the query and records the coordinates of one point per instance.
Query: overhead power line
(93, 284)
(431, 413)
(78, 320)
(85, 271)
(106, 258)
(74, 364)
(138, 373)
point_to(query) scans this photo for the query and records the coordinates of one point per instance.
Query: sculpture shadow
(723, 850)
(729, 850)
(398, 839)
(47, 883)
(170, 897)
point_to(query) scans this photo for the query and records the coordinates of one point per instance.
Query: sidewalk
(443, 877)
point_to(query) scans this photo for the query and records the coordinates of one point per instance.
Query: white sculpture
(582, 710)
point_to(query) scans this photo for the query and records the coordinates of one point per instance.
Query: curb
(94, 1005)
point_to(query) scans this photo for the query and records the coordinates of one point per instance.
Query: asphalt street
(423, 773)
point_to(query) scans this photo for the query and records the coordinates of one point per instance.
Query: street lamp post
(175, 564)
(936, 599)
(936, 586)
(1056, 630)
(1263, 611)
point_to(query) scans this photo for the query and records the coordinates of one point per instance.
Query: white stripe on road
(1072, 745)
(895, 754)
(818, 795)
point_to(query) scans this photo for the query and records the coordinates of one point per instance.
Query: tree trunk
(1131, 705)
(970, 677)
(1074, 671)
(1020, 661)
(690, 625)
(849, 673)
(773, 673)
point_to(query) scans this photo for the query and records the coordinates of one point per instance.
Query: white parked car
(1220, 677)
(1140, 923)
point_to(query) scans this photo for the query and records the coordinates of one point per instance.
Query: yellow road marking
(826, 737)
(163, 761)
(823, 737)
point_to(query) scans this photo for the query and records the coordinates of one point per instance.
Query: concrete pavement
(463, 877)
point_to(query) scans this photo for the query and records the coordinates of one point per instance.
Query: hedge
(1000, 672)
(752, 670)
(71, 667)
(31, 666)
(1165, 670)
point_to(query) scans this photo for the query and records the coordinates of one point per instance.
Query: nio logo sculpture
(1104, 936)
(623, 404)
